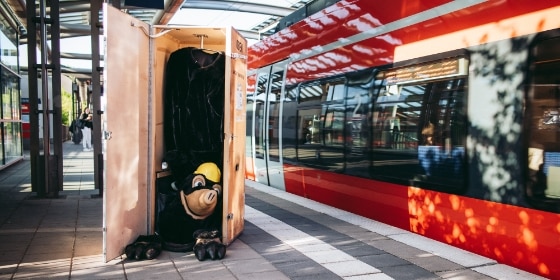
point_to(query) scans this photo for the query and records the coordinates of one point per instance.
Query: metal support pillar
(33, 96)
(46, 169)
(58, 134)
(96, 72)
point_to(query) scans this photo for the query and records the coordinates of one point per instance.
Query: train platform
(285, 237)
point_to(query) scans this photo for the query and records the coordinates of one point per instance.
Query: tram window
(321, 136)
(289, 125)
(276, 79)
(322, 92)
(311, 93)
(251, 87)
(320, 146)
(419, 133)
(543, 126)
(335, 91)
(358, 118)
(260, 114)
(333, 125)
(249, 127)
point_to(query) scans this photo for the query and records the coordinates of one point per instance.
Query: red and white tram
(439, 117)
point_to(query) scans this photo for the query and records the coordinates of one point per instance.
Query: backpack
(77, 136)
(80, 124)
(76, 132)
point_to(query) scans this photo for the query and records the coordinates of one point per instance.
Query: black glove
(208, 244)
(145, 247)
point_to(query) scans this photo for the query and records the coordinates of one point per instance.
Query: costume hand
(145, 247)
(208, 244)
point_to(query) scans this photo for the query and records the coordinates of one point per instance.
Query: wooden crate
(135, 59)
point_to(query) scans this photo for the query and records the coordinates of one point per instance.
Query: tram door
(259, 127)
(267, 126)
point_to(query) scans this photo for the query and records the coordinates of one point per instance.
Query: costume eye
(198, 181)
(217, 188)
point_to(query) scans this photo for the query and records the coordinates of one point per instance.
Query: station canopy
(254, 19)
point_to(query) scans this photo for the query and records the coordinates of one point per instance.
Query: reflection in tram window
(249, 120)
(419, 133)
(321, 123)
(260, 114)
(381, 126)
(359, 127)
(289, 125)
(274, 95)
(543, 125)
(372, 127)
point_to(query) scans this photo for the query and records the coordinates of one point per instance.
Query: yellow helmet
(210, 170)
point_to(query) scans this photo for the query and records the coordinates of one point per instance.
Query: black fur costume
(193, 109)
(189, 218)
(177, 222)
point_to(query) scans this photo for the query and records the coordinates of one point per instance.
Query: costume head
(201, 191)
(190, 204)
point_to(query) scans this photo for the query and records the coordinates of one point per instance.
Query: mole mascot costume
(191, 219)
(189, 202)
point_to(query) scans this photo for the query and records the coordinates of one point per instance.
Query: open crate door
(126, 127)
(234, 132)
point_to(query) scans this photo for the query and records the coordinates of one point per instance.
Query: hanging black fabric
(193, 109)
(194, 85)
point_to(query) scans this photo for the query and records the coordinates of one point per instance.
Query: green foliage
(66, 107)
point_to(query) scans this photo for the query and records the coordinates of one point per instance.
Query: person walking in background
(86, 118)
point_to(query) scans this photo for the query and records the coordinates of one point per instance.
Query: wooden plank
(212, 38)
(126, 93)
(234, 144)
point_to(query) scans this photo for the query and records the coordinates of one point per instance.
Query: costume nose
(209, 197)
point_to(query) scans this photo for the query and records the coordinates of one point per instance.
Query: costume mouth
(200, 204)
